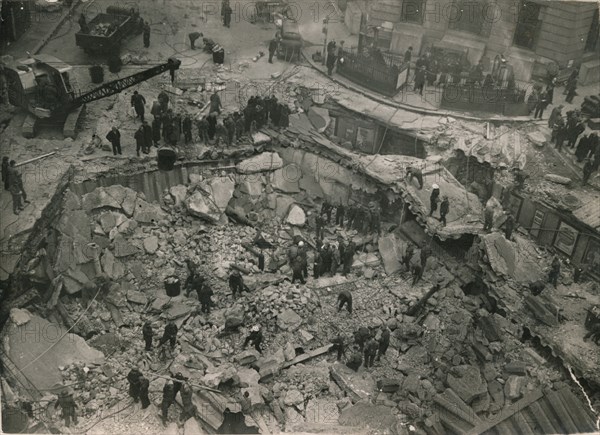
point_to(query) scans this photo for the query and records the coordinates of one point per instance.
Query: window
(528, 25)
(591, 43)
(412, 11)
(468, 16)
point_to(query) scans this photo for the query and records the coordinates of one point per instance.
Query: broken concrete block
(111, 266)
(358, 386)
(268, 161)
(293, 397)
(288, 320)
(200, 205)
(99, 198)
(147, 213)
(252, 187)
(513, 387)
(289, 352)
(178, 193)
(259, 138)
(516, 368)
(496, 392)
(296, 216)
(466, 382)
(221, 191)
(267, 371)
(19, 317)
(246, 358)
(137, 297)
(151, 244)
(538, 138)
(248, 377)
(390, 249)
(306, 336)
(124, 248)
(220, 374)
(254, 396)
(287, 179)
(192, 427)
(283, 204)
(177, 310)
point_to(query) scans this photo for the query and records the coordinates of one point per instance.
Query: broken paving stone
(296, 216)
(306, 336)
(137, 297)
(558, 179)
(261, 163)
(513, 387)
(178, 193)
(516, 368)
(287, 179)
(151, 244)
(112, 267)
(99, 198)
(201, 206)
(177, 310)
(288, 320)
(192, 427)
(388, 385)
(147, 213)
(369, 273)
(496, 392)
(19, 317)
(537, 137)
(124, 248)
(293, 397)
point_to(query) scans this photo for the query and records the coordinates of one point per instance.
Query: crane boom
(116, 86)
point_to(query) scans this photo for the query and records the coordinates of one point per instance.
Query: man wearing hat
(236, 282)
(68, 405)
(433, 199)
(133, 377)
(556, 112)
(255, 337)
(444, 209)
(303, 256)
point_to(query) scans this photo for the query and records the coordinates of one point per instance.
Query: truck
(41, 85)
(108, 30)
(290, 41)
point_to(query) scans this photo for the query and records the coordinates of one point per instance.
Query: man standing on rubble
(298, 270)
(68, 405)
(370, 352)
(488, 218)
(348, 257)
(417, 273)
(425, 253)
(255, 338)
(148, 136)
(319, 224)
(133, 377)
(434, 198)
(114, 137)
(272, 48)
(554, 271)
(345, 298)
(148, 334)
(338, 345)
(187, 128)
(509, 226)
(146, 34)
(139, 140)
(384, 341)
(169, 335)
(138, 102)
(215, 103)
(339, 215)
(236, 283)
(444, 209)
(361, 337)
(144, 387)
(335, 258)
(167, 400)
(178, 383)
(205, 297)
(408, 255)
(303, 254)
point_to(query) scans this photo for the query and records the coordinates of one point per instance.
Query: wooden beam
(309, 355)
(507, 412)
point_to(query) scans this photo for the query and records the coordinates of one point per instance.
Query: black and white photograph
(345, 217)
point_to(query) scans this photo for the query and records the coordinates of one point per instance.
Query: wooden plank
(309, 355)
(507, 412)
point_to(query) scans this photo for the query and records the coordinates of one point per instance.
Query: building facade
(532, 35)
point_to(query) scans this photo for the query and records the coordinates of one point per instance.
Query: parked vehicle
(108, 30)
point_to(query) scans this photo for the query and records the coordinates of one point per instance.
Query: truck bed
(106, 24)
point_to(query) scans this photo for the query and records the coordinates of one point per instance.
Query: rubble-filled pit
(458, 353)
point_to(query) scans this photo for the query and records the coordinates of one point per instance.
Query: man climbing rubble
(345, 298)
(167, 400)
(134, 378)
(236, 283)
(384, 341)
(148, 334)
(68, 405)
(255, 338)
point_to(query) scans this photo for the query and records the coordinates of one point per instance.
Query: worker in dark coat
(384, 341)
(420, 77)
(202, 125)
(272, 49)
(319, 224)
(148, 137)
(444, 209)
(355, 361)
(537, 287)
(284, 116)
(298, 270)
(588, 169)
(303, 258)
(488, 218)
(345, 298)
(339, 215)
(148, 334)
(212, 125)
(167, 400)
(417, 273)
(169, 335)
(240, 125)
(255, 338)
(189, 409)
(362, 336)
(178, 383)
(509, 226)
(370, 352)
(144, 387)
(114, 137)
(68, 405)
(554, 271)
(408, 255)
(138, 102)
(146, 34)
(236, 283)
(230, 126)
(424, 255)
(187, 128)
(348, 257)
(434, 198)
(156, 128)
(317, 264)
(338, 345)
(205, 298)
(193, 37)
(139, 141)
(133, 377)
(5, 170)
(83, 25)
(215, 103)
